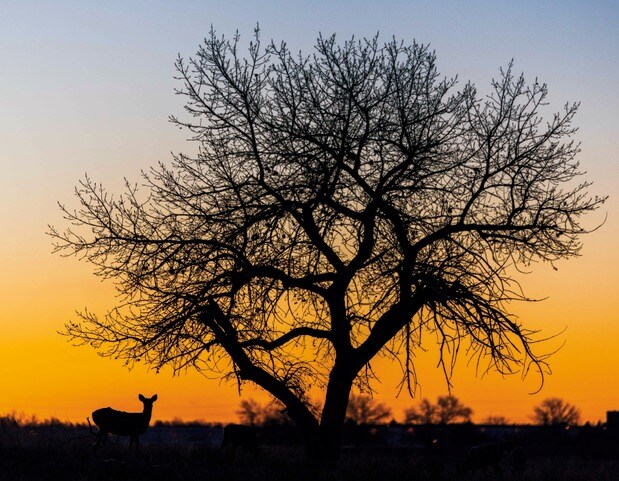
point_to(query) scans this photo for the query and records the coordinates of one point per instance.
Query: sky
(87, 87)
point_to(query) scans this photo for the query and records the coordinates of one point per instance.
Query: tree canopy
(253, 413)
(448, 409)
(363, 409)
(341, 205)
(555, 412)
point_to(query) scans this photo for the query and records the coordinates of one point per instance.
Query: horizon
(26, 419)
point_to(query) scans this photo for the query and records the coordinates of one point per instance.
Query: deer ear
(141, 398)
(154, 398)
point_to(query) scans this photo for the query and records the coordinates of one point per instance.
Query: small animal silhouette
(121, 423)
(240, 436)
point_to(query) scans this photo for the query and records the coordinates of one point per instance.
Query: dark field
(61, 452)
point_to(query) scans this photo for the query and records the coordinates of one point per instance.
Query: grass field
(60, 452)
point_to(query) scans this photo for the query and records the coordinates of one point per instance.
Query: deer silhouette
(121, 423)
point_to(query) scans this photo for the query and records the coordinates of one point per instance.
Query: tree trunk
(323, 447)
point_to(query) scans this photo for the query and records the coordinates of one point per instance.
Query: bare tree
(363, 409)
(253, 413)
(424, 414)
(496, 420)
(250, 412)
(448, 409)
(340, 205)
(555, 411)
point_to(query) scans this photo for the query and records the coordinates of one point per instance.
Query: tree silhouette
(555, 411)
(339, 206)
(448, 409)
(252, 413)
(363, 409)
(496, 420)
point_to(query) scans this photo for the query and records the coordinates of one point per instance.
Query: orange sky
(89, 89)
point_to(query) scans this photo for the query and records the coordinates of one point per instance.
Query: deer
(121, 423)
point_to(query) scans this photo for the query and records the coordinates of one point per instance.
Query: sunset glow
(88, 89)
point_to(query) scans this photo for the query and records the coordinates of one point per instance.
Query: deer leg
(96, 435)
(134, 443)
(101, 437)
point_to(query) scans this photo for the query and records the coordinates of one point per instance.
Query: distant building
(612, 420)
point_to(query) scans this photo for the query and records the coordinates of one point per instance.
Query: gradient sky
(87, 87)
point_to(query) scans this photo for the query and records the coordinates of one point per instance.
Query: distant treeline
(363, 410)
